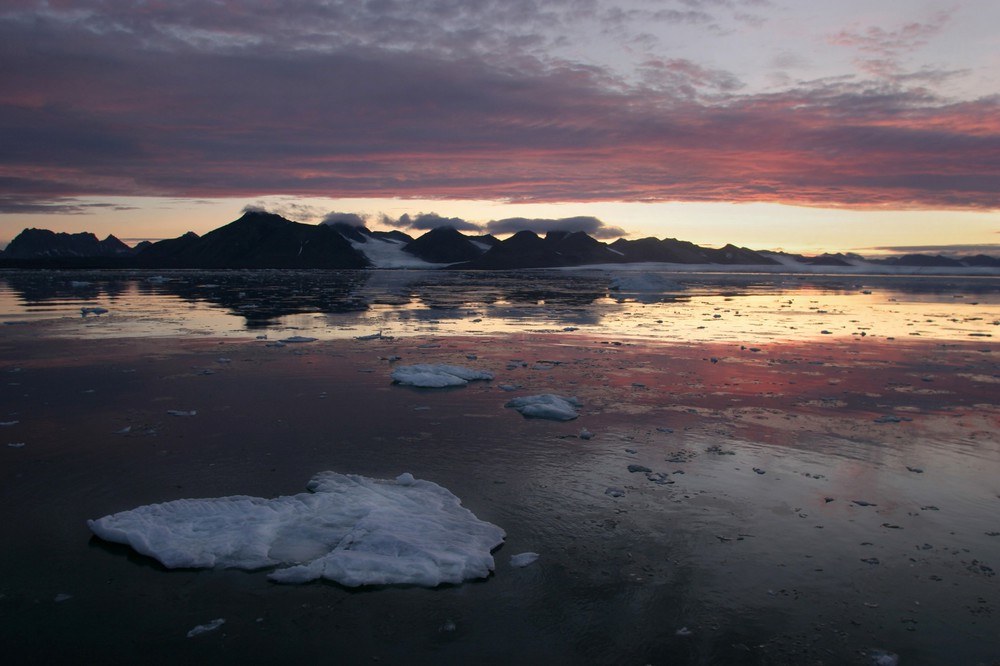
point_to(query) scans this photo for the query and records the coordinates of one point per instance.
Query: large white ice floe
(349, 529)
(428, 375)
(546, 406)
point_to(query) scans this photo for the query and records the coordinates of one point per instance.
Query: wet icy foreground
(349, 529)
(771, 504)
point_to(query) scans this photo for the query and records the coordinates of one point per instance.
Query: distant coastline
(266, 240)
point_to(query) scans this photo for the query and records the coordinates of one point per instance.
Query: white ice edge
(349, 529)
(546, 406)
(426, 375)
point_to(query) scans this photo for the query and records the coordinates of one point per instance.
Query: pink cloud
(84, 114)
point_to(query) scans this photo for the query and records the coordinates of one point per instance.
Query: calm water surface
(745, 544)
(344, 304)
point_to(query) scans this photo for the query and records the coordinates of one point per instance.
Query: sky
(856, 125)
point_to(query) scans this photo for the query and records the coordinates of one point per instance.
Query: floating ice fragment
(546, 406)
(94, 311)
(296, 339)
(638, 468)
(683, 631)
(586, 434)
(180, 412)
(349, 529)
(207, 627)
(523, 559)
(614, 492)
(4, 424)
(884, 658)
(891, 418)
(427, 375)
(16, 445)
(61, 597)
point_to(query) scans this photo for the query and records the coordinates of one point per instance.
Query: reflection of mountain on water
(429, 300)
(41, 289)
(261, 297)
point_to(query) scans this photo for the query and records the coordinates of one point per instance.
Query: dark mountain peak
(982, 260)
(259, 217)
(526, 249)
(928, 260)
(443, 245)
(522, 236)
(352, 232)
(42, 243)
(257, 240)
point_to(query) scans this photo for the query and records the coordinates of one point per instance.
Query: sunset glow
(805, 127)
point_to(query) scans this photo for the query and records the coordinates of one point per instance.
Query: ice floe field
(394, 469)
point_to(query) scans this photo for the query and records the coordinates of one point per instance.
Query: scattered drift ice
(546, 406)
(207, 627)
(523, 559)
(349, 529)
(427, 375)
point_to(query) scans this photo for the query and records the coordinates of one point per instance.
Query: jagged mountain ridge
(32, 243)
(266, 240)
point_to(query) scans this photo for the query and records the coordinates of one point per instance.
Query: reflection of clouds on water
(656, 305)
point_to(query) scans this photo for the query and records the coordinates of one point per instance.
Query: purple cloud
(207, 100)
(587, 224)
(428, 221)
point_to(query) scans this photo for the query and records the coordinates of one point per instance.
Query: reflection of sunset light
(701, 311)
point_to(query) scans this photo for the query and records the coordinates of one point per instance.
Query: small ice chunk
(426, 375)
(207, 627)
(639, 468)
(297, 338)
(614, 492)
(683, 631)
(349, 529)
(546, 406)
(61, 597)
(16, 445)
(94, 311)
(884, 658)
(4, 424)
(181, 412)
(523, 559)
(586, 434)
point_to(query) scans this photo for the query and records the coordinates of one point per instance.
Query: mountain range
(266, 240)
